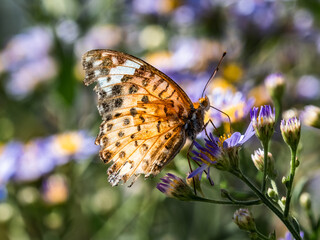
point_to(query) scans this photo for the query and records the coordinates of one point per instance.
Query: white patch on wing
(122, 70)
(103, 81)
(125, 169)
(129, 63)
(88, 58)
(97, 63)
(115, 79)
(97, 72)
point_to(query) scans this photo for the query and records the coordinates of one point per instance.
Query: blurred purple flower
(308, 87)
(26, 59)
(288, 236)
(235, 104)
(9, 155)
(25, 79)
(31, 45)
(3, 193)
(34, 161)
(40, 156)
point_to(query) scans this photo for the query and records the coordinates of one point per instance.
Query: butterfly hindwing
(143, 113)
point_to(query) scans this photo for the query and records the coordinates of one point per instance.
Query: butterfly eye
(204, 103)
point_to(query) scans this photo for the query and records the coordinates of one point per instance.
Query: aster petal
(198, 170)
(232, 141)
(248, 134)
(209, 178)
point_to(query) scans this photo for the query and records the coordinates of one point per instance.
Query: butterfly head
(204, 103)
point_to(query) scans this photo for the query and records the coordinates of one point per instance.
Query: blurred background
(52, 182)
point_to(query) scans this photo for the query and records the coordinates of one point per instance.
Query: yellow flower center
(69, 143)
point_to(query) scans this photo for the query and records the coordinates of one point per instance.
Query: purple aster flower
(220, 153)
(175, 187)
(263, 122)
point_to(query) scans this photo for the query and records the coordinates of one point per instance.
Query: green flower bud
(258, 160)
(175, 187)
(275, 85)
(244, 219)
(263, 123)
(290, 130)
(311, 116)
(305, 200)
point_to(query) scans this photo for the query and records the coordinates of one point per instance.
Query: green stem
(234, 202)
(261, 236)
(269, 204)
(275, 188)
(265, 145)
(289, 185)
(278, 107)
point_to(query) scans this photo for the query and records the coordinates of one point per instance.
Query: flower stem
(268, 203)
(275, 188)
(289, 185)
(265, 146)
(234, 202)
(261, 236)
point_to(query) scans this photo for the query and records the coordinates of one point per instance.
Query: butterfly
(147, 117)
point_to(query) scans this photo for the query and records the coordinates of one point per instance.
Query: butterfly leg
(205, 127)
(188, 157)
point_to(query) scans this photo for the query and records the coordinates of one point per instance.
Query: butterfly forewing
(143, 111)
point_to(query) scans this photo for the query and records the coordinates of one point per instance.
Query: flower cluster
(27, 162)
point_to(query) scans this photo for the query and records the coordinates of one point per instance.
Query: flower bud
(258, 160)
(175, 187)
(263, 123)
(305, 200)
(275, 85)
(272, 194)
(311, 116)
(290, 130)
(244, 219)
(283, 200)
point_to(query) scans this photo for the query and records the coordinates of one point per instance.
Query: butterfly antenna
(214, 72)
(229, 119)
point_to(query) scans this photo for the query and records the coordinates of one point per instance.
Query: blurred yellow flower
(232, 72)
(160, 59)
(259, 94)
(223, 84)
(67, 143)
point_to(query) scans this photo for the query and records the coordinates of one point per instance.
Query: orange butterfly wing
(144, 113)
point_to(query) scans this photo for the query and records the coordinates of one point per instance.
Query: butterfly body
(146, 116)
